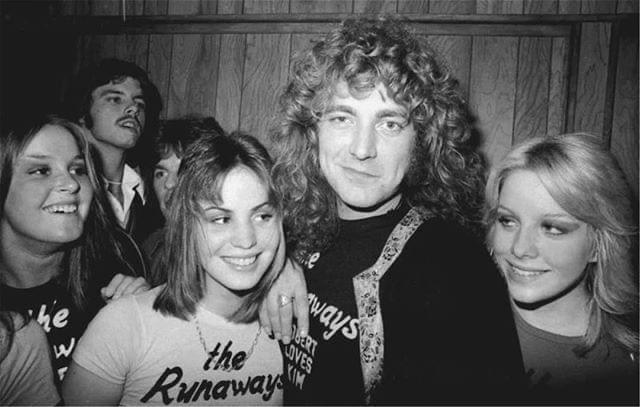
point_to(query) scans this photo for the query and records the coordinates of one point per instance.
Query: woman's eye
(553, 230)
(114, 99)
(265, 216)
(159, 174)
(40, 171)
(141, 105)
(219, 220)
(506, 221)
(79, 170)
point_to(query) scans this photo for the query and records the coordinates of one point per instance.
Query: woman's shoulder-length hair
(204, 167)
(84, 259)
(584, 178)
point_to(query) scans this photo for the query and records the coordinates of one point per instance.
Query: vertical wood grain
(101, 46)
(326, 6)
(229, 93)
(133, 48)
(532, 88)
(266, 6)
(413, 6)
(452, 7)
(265, 73)
(134, 7)
(194, 76)
(375, 6)
(592, 77)
(105, 7)
(627, 6)
(624, 131)
(156, 7)
(541, 6)
(455, 51)
(598, 7)
(229, 6)
(183, 7)
(558, 78)
(499, 6)
(208, 7)
(159, 66)
(569, 6)
(492, 98)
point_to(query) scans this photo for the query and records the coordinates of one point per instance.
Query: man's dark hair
(79, 97)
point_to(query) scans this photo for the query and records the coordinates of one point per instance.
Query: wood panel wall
(573, 65)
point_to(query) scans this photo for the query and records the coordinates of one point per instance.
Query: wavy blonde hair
(584, 178)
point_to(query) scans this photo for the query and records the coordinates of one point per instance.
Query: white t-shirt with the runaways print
(160, 360)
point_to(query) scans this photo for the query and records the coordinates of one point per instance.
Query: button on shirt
(131, 185)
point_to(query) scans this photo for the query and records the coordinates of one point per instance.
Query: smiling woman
(58, 245)
(224, 247)
(562, 230)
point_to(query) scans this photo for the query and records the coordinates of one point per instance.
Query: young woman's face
(542, 250)
(165, 175)
(239, 236)
(50, 192)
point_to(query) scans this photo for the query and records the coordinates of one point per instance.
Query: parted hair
(203, 170)
(98, 243)
(584, 178)
(446, 172)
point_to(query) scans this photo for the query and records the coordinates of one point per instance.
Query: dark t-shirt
(605, 375)
(334, 316)
(52, 307)
(449, 336)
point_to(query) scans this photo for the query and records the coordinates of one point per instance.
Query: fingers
(301, 301)
(286, 317)
(301, 312)
(263, 314)
(273, 312)
(121, 285)
(108, 291)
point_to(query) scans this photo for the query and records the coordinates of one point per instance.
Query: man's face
(118, 114)
(364, 149)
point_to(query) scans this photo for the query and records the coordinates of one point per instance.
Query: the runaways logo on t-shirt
(55, 321)
(171, 389)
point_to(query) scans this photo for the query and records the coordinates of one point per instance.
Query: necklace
(113, 182)
(206, 352)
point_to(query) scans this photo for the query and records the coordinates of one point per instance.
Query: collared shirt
(131, 185)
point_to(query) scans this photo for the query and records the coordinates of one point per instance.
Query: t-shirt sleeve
(107, 348)
(26, 373)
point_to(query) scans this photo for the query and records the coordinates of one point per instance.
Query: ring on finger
(284, 300)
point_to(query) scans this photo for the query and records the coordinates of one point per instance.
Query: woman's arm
(82, 387)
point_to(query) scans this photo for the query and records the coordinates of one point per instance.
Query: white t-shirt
(160, 359)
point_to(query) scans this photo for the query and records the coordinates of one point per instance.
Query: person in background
(382, 185)
(61, 253)
(562, 230)
(118, 107)
(196, 339)
(26, 374)
(173, 138)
